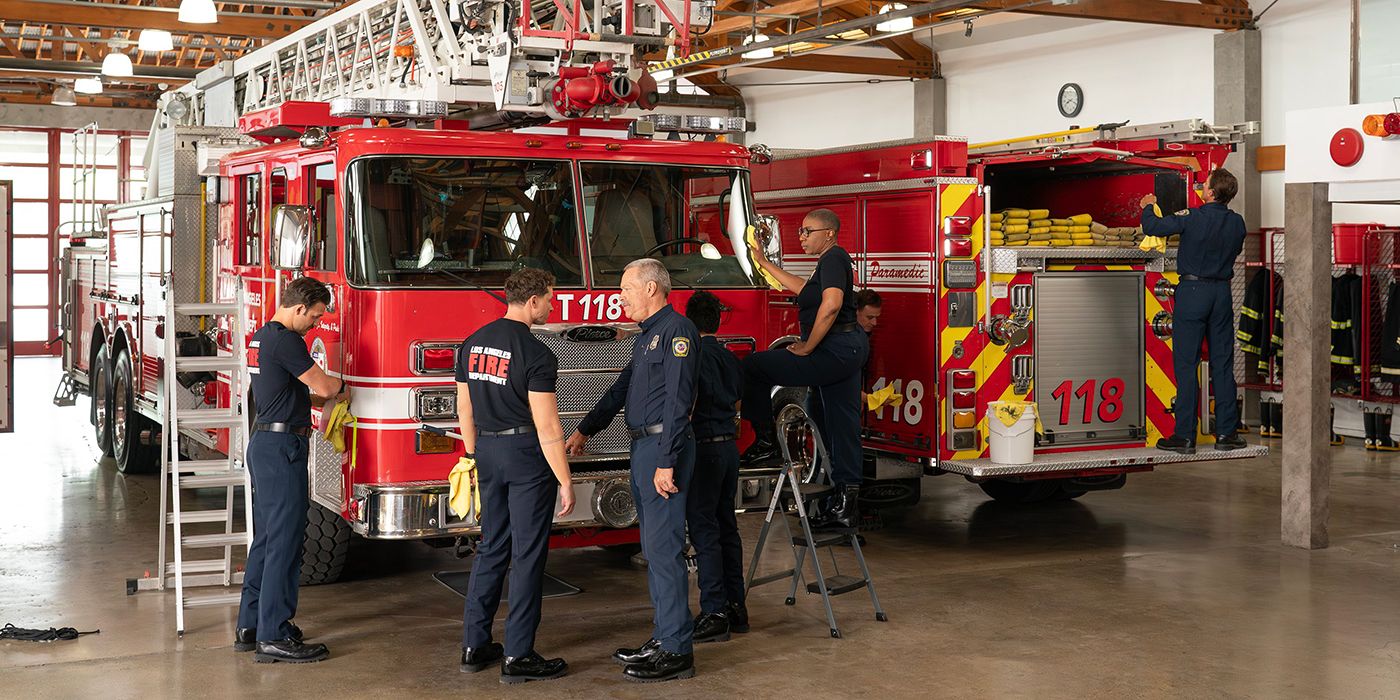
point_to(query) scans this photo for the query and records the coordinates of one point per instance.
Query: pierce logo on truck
(591, 334)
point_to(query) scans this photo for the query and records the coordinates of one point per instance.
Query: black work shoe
(662, 666)
(1229, 442)
(844, 510)
(246, 638)
(738, 617)
(637, 655)
(481, 658)
(763, 449)
(1181, 446)
(711, 627)
(290, 651)
(532, 667)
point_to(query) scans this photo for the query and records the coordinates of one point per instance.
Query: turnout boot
(711, 627)
(844, 511)
(738, 617)
(1179, 445)
(1225, 443)
(246, 638)
(531, 667)
(481, 658)
(290, 651)
(638, 655)
(763, 449)
(662, 666)
(1369, 420)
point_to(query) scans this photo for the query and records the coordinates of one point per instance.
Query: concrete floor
(1175, 586)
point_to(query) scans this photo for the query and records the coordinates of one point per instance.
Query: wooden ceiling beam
(1163, 12)
(851, 65)
(69, 75)
(713, 84)
(724, 25)
(39, 97)
(101, 14)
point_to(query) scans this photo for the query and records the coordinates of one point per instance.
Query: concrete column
(930, 108)
(1307, 459)
(1239, 98)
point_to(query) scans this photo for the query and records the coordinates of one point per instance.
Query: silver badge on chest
(655, 340)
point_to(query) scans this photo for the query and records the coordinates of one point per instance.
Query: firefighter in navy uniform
(719, 554)
(509, 417)
(658, 388)
(283, 381)
(1212, 237)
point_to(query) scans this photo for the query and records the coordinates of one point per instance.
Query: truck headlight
(435, 404)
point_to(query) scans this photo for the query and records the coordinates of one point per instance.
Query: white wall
(1004, 82)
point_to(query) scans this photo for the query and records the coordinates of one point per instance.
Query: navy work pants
(277, 465)
(714, 530)
(662, 522)
(833, 370)
(1204, 311)
(518, 493)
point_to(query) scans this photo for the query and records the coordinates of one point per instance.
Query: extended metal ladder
(184, 475)
(791, 487)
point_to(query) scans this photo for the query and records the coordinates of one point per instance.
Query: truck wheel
(132, 455)
(1020, 491)
(325, 547)
(100, 379)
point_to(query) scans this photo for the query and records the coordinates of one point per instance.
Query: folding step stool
(790, 489)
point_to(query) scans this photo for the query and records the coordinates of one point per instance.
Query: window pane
(32, 324)
(104, 152)
(24, 147)
(31, 218)
(31, 253)
(30, 182)
(31, 289)
(138, 150)
(102, 185)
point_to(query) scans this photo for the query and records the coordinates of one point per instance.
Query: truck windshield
(485, 217)
(668, 212)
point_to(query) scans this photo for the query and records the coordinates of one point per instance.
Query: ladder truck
(411, 154)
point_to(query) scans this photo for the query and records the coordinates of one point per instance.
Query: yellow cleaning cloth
(1082, 219)
(1008, 412)
(1040, 213)
(1156, 210)
(464, 497)
(1153, 243)
(884, 396)
(751, 238)
(340, 419)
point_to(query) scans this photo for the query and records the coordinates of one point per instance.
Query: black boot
(481, 658)
(1383, 441)
(1233, 441)
(531, 667)
(1369, 420)
(1179, 445)
(290, 651)
(637, 655)
(246, 638)
(662, 666)
(711, 627)
(738, 617)
(844, 512)
(763, 449)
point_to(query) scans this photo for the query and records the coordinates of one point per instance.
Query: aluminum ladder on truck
(807, 545)
(181, 476)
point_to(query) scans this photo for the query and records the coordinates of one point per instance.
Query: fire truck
(357, 152)
(1084, 331)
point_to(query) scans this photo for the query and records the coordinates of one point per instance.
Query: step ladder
(807, 545)
(182, 476)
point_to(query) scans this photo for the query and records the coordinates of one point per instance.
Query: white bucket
(1015, 443)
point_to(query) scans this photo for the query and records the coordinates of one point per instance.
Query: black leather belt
(522, 430)
(302, 430)
(1198, 278)
(639, 433)
(843, 328)
(714, 438)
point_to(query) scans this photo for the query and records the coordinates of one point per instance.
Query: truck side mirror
(291, 236)
(770, 238)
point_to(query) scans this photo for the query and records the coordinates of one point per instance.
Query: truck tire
(132, 455)
(1021, 492)
(325, 547)
(99, 385)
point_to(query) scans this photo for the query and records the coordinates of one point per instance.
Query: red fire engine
(1084, 331)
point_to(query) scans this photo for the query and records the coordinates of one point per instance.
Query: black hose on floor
(49, 635)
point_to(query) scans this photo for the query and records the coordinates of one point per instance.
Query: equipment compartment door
(1089, 356)
(7, 352)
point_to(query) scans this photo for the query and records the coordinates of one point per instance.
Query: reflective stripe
(1341, 325)
(1246, 311)
(1342, 360)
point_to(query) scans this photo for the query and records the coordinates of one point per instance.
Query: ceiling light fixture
(116, 64)
(757, 54)
(899, 24)
(88, 86)
(198, 12)
(64, 97)
(155, 40)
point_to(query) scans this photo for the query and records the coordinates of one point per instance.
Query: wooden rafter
(852, 65)
(101, 14)
(1201, 15)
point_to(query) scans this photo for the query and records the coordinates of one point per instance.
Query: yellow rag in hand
(751, 238)
(464, 497)
(1156, 210)
(1153, 243)
(884, 396)
(340, 419)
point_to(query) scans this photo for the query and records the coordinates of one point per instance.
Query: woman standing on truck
(828, 358)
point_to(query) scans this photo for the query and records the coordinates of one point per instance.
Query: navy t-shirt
(277, 355)
(501, 364)
(834, 271)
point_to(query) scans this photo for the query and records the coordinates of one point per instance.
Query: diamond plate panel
(327, 486)
(1077, 461)
(1010, 260)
